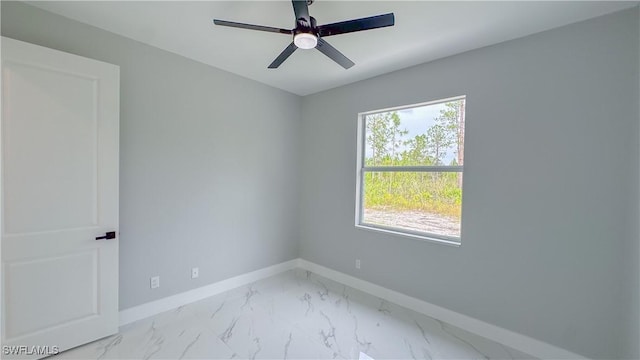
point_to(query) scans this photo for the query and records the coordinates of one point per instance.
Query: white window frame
(361, 169)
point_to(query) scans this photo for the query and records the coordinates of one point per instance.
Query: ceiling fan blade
(301, 10)
(334, 54)
(251, 27)
(368, 23)
(283, 56)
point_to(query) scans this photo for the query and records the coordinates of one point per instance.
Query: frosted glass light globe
(305, 41)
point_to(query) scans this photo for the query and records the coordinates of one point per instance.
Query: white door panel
(75, 298)
(52, 153)
(59, 137)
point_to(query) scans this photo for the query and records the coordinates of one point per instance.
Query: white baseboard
(146, 310)
(512, 339)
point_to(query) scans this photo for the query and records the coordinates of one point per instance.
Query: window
(410, 166)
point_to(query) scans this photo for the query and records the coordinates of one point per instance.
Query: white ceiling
(424, 31)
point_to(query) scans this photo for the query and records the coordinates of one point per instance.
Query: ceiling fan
(308, 35)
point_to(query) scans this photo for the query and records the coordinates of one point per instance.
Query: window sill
(425, 238)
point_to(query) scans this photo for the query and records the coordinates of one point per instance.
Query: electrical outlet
(357, 263)
(155, 282)
(195, 273)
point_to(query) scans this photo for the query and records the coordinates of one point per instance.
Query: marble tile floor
(293, 315)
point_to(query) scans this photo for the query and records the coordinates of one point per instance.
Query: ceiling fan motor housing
(303, 27)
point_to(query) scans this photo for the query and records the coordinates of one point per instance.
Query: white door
(59, 180)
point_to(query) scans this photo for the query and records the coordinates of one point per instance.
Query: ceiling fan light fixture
(305, 40)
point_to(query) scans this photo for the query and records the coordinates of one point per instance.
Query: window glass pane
(428, 202)
(424, 135)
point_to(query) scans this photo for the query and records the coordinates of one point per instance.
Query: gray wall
(633, 273)
(550, 185)
(208, 172)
